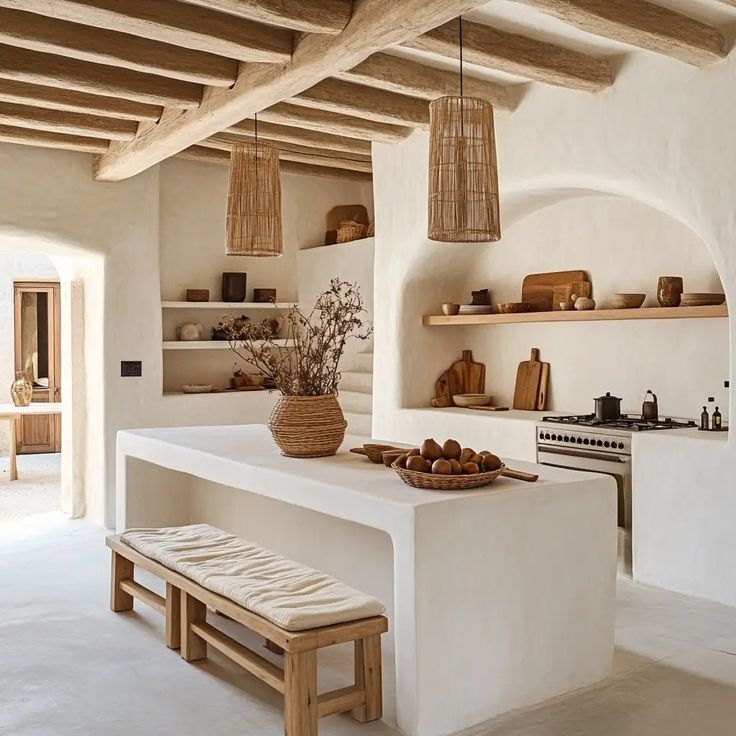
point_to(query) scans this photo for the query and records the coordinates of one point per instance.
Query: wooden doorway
(38, 354)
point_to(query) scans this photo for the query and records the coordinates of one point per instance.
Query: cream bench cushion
(286, 593)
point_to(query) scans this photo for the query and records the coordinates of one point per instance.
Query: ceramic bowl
(567, 306)
(197, 388)
(693, 299)
(466, 400)
(450, 309)
(475, 309)
(627, 301)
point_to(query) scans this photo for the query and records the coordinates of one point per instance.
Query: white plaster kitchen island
(497, 598)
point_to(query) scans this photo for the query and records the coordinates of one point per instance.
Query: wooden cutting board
(543, 385)
(464, 376)
(528, 379)
(538, 288)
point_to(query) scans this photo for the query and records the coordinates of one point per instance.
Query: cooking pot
(607, 407)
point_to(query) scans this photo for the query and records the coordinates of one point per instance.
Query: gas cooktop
(629, 422)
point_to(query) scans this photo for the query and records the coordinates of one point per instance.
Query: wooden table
(12, 414)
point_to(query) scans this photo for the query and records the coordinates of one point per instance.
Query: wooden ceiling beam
(306, 16)
(402, 76)
(70, 123)
(172, 22)
(373, 26)
(333, 123)
(519, 55)
(214, 156)
(21, 65)
(45, 139)
(224, 142)
(642, 24)
(303, 137)
(367, 103)
(51, 36)
(53, 98)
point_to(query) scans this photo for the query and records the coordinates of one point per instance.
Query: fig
(466, 454)
(485, 452)
(417, 463)
(470, 468)
(451, 449)
(491, 462)
(457, 469)
(442, 467)
(401, 460)
(430, 450)
(477, 459)
(412, 452)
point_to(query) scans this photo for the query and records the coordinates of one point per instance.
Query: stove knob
(620, 445)
(599, 443)
(566, 438)
(580, 440)
(546, 436)
(586, 441)
(554, 437)
(606, 444)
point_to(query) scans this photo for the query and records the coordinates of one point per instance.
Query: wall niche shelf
(226, 305)
(593, 315)
(210, 344)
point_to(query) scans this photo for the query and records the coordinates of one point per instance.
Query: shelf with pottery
(227, 305)
(211, 344)
(591, 315)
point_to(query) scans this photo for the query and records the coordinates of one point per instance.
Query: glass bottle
(704, 419)
(716, 419)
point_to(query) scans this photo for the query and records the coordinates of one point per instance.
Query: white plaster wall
(15, 266)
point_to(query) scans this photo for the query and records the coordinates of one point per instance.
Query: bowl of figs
(447, 466)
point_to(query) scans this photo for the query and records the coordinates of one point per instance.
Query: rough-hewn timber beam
(70, 123)
(22, 65)
(406, 77)
(169, 21)
(303, 137)
(211, 155)
(641, 24)
(515, 54)
(307, 16)
(367, 103)
(374, 25)
(30, 31)
(333, 123)
(25, 137)
(54, 98)
(287, 152)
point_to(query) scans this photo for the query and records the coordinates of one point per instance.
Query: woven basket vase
(308, 426)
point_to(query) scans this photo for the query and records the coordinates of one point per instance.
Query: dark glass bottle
(704, 420)
(716, 419)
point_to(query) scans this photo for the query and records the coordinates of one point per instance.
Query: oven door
(590, 461)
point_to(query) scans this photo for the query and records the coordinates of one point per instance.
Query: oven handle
(582, 453)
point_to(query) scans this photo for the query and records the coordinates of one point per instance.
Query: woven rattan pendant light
(463, 174)
(253, 226)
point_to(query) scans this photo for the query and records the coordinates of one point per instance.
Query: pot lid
(608, 397)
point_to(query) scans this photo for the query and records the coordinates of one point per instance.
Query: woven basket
(351, 230)
(433, 482)
(308, 426)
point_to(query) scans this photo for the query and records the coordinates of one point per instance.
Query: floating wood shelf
(209, 344)
(226, 305)
(592, 315)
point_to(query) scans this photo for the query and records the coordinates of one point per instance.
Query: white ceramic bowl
(466, 400)
(197, 388)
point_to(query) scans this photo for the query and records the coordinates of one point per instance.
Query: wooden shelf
(209, 344)
(592, 315)
(226, 305)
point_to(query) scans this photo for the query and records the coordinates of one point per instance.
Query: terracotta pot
(669, 291)
(308, 426)
(21, 390)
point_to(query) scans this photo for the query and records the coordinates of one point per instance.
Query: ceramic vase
(21, 390)
(308, 426)
(669, 291)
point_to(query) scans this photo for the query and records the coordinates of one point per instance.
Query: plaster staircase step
(364, 362)
(360, 424)
(356, 402)
(361, 381)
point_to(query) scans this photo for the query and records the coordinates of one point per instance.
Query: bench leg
(193, 647)
(300, 693)
(368, 676)
(122, 569)
(173, 616)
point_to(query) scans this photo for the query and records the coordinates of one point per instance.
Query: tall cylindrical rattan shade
(463, 175)
(253, 225)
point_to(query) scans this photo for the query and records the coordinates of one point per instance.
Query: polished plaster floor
(37, 490)
(68, 666)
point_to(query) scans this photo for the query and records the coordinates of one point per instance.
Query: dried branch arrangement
(309, 367)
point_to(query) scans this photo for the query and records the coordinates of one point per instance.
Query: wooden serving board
(489, 408)
(538, 288)
(464, 376)
(543, 385)
(528, 378)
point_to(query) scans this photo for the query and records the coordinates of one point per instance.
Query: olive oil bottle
(717, 420)
(705, 419)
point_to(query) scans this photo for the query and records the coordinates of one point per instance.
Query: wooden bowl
(695, 299)
(434, 482)
(566, 306)
(450, 309)
(515, 307)
(627, 301)
(389, 457)
(466, 400)
(374, 451)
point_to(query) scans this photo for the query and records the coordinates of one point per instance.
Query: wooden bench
(185, 610)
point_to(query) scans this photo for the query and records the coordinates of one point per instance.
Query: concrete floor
(70, 667)
(37, 490)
